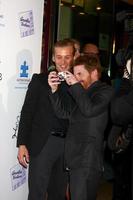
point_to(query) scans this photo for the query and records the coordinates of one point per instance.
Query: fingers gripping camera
(62, 76)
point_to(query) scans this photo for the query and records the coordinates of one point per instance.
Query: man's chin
(85, 86)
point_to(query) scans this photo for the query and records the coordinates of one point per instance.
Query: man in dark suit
(41, 134)
(121, 135)
(87, 111)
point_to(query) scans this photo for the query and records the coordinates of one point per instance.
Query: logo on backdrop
(24, 68)
(0, 76)
(2, 24)
(0, 72)
(18, 176)
(26, 23)
(15, 128)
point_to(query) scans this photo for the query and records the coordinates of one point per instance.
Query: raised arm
(92, 105)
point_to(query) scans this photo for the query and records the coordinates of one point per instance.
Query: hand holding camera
(53, 81)
(69, 78)
(62, 75)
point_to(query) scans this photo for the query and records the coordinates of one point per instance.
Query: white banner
(20, 57)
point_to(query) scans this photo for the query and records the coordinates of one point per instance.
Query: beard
(85, 84)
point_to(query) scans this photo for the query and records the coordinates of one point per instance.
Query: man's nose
(63, 64)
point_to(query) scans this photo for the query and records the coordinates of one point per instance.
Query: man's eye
(68, 58)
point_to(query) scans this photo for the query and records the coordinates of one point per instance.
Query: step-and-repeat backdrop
(21, 24)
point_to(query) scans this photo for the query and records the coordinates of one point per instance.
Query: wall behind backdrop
(20, 57)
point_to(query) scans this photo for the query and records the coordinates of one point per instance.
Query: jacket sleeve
(122, 104)
(27, 112)
(62, 104)
(94, 104)
(129, 98)
(89, 106)
(122, 109)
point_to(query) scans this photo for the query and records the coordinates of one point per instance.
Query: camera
(62, 76)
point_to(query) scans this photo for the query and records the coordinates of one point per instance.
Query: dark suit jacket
(122, 104)
(88, 116)
(37, 119)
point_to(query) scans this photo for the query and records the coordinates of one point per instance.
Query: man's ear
(74, 57)
(94, 74)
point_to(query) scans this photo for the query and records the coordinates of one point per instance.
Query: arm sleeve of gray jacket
(62, 104)
(94, 105)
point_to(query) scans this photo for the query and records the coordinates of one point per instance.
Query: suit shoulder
(40, 78)
(106, 89)
(106, 86)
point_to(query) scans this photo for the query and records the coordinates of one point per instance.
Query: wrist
(53, 90)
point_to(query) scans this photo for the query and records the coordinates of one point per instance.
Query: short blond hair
(64, 43)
